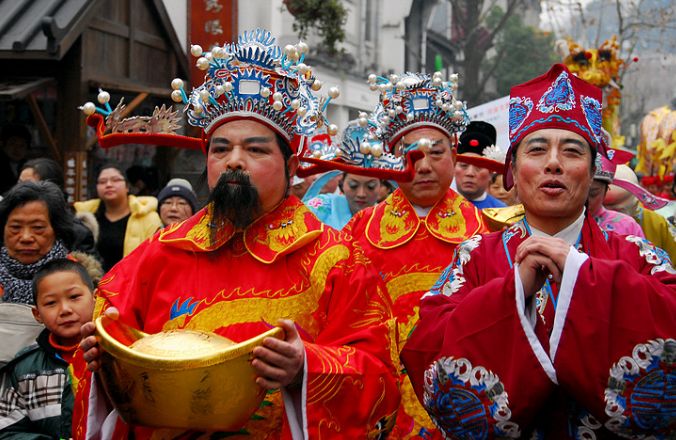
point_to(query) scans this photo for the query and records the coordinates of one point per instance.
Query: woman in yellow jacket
(124, 220)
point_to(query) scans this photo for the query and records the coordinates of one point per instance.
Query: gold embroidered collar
(288, 227)
(394, 222)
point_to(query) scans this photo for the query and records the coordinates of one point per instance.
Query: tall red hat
(557, 99)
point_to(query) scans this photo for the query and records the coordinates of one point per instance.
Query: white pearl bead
(301, 111)
(277, 96)
(453, 77)
(103, 97)
(458, 105)
(265, 92)
(202, 63)
(176, 96)
(363, 122)
(365, 148)
(277, 105)
(204, 95)
(409, 117)
(302, 47)
(293, 55)
(302, 68)
(391, 113)
(197, 108)
(177, 83)
(373, 87)
(334, 92)
(295, 104)
(217, 52)
(386, 119)
(227, 86)
(196, 50)
(399, 109)
(288, 48)
(439, 102)
(316, 85)
(377, 150)
(88, 108)
(333, 129)
(372, 78)
(445, 107)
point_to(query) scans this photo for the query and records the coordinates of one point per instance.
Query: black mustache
(234, 198)
(234, 176)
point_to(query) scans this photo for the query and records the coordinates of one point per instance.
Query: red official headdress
(557, 99)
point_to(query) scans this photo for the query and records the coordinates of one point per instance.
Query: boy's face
(64, 304)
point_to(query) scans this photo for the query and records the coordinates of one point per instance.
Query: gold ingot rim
(124, 353)
(499, 218)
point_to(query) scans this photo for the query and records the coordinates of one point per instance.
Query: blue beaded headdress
(359, 151)
(417, 100)
(251, 79)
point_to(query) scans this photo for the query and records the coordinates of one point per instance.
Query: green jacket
(36, 398)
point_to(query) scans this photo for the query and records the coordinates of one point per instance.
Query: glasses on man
(113, 180)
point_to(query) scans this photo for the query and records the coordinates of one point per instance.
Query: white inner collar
(569, 234)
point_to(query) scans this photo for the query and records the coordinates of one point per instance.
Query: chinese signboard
(210, 22)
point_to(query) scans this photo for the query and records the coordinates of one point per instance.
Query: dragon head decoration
(600, 67)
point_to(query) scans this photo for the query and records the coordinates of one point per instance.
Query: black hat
(179, 188)
(477, 136)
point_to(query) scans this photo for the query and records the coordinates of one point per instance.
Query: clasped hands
(539, 259)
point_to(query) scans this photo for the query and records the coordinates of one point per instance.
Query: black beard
(234, 198)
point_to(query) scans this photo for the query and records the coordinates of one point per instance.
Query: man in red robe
(256, 257)
(552, 328)
(411, 235)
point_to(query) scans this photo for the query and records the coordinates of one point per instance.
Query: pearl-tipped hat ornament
(415, 100)
(250, 79)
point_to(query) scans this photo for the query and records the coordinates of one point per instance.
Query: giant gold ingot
(498, 219)
(181, 378)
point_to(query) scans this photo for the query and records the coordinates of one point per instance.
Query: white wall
(177, 10)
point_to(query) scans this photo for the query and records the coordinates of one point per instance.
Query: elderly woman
(85, 225)
(37, 227)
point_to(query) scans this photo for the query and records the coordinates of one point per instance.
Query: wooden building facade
(56, 54)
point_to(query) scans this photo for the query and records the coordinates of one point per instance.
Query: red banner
(210, 22)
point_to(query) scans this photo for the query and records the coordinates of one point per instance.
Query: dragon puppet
(600, 67)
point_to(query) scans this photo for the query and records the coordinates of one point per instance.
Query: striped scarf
(15, 277)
